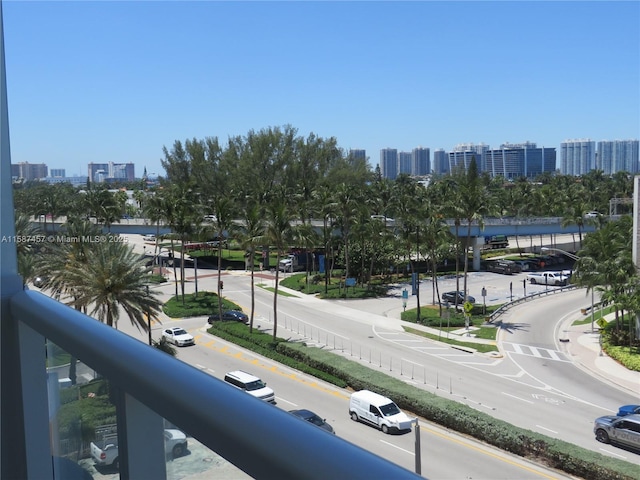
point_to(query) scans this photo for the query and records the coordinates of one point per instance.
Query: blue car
(625, 410)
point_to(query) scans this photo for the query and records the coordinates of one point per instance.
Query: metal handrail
(503, 308)
(260, 439)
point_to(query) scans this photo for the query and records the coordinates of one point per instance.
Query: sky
(117, 81)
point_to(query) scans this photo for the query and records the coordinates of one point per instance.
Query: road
(549, 395)
(545, 393)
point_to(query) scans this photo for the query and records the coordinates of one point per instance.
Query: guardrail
(260, 439)
(526, 298)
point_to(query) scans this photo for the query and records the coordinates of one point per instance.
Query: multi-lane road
(534, 385)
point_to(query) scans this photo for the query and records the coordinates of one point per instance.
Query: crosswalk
(538, 352)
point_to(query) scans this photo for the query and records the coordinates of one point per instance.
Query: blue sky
(117, 81)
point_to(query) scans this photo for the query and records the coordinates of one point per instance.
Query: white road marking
(395, 446)
(547, 429)
(287, 401)
(613, 453)
(517, 398)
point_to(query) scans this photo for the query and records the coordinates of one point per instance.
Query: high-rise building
(420, 161)
(102, 172)
(57, 172)
(389, 163)
(358, 153)
(404, 163)
(29, 171)
(462, 154)
(577, 157)
(618, 156)
(440, 162)
(512, 161)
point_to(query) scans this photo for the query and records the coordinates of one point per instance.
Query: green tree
(113, 278)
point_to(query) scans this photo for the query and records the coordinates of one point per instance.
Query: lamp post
(575, 257)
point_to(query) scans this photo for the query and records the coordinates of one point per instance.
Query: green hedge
(464, 419)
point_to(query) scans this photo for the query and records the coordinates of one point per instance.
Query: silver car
(623, 430)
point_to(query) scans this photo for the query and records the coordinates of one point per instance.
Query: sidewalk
(584, 349)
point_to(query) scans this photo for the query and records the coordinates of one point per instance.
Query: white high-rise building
(618, 156)
(577, 157)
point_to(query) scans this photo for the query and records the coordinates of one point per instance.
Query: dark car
(311, 417)
(230, 316)
(451, 297)
(628, 410)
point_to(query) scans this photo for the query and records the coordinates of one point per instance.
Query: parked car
(623, 430)
(523, 264)
(311, 417)
(505, 267)
(149, 238)
(178, 336)
(451, 297)
(39, 282)
(105, 452)
(250, 384)
(230, 316)
(628, 410)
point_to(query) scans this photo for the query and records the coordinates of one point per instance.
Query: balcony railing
(260, 439)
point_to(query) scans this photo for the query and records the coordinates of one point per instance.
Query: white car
(178, 336)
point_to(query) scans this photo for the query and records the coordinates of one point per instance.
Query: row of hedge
(345, 373)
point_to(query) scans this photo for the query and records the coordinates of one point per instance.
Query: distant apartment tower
(104, 172)
(404, 163)
(389, 163)
(29, 171)
(358, 153)
(440, 162)
(515, 160)
(420, 161)
(618, 156)
(462, 154)
(577, 157)
(57, 172)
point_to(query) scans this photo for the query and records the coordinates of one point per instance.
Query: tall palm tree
(475, 203)
(346, 199)
(27, 232)
(114, 277)
(325, 205)
(277, 233)
(304, 235)
(248, 235)
(223, 207)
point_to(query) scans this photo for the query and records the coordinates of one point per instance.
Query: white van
(369, 407)
(250, 384)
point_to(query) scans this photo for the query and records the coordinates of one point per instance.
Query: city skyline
(118, 81)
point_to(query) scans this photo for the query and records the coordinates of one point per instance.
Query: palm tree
(113, 277)
(27, 247)
(223, 207)
(248, 236)
(277, 233)
(304, 235)
(325, 205)
(346, 199)
(475, 203)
